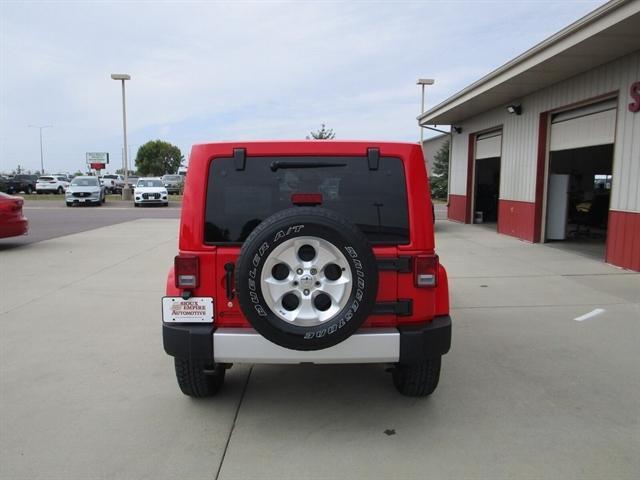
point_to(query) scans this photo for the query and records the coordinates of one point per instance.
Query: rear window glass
(85, 182)
(46, 178)
(150, 183)
(375, 200)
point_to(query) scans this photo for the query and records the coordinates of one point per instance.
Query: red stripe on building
(457, 208)
(543, 128)
(623, 240)
(470, 159)
(516, 218)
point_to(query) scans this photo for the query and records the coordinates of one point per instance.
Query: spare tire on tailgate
(306, 278)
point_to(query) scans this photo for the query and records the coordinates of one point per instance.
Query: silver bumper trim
(240, 345)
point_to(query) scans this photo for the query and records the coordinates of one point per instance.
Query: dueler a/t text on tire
(306, 278)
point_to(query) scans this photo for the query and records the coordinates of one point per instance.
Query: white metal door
(587, 126)
(557, 206)
(489, 145)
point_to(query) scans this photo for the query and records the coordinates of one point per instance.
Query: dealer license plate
(193, 310)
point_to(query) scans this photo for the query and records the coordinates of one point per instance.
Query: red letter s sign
(634, 91)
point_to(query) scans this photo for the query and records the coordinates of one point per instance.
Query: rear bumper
(406, 344)
(14, 228)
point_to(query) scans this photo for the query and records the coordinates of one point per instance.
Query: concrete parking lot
(52, 218)
(531, 388)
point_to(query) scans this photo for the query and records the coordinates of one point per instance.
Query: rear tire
(199, 379)
(28, 190)
(59, 191)
(418, 379)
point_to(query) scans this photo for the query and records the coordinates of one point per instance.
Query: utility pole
(40, 127)
(422, 82)
(126, 191)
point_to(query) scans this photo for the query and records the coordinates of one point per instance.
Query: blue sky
(208, 71)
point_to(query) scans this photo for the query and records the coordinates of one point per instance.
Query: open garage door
(487, 177)
(584, 127)
(580, 175)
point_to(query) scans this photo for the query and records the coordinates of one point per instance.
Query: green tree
(439, 179)
(156, 158)
(322, 134)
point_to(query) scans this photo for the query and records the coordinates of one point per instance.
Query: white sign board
(97, 157)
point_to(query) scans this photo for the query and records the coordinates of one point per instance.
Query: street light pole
(129, 157)
(40, 127)
(422, 82)
(126, 191)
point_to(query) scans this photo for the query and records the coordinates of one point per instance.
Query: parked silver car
(85, 190)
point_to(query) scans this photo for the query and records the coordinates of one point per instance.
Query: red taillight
(186, 271)
(12, 205)
(425, 269)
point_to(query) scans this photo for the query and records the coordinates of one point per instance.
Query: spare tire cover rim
(306, 279)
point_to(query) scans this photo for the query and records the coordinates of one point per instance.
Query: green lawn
(45, 196)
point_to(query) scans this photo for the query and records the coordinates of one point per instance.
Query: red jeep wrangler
(306, 252)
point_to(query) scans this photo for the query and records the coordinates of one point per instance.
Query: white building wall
(520, 134)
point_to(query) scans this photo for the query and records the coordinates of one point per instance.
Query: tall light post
(126, 191)
(129, 146)
(40, 127)
(422, 82)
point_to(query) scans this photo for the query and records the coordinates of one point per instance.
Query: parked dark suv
(306, 252)
(22, 183)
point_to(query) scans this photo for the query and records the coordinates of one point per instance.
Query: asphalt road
(52, 219)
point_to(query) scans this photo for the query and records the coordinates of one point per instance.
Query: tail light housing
(12, 206)
(425, 270)
(186, 271)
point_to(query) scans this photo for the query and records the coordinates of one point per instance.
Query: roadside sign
(97, 157)
(97, 166)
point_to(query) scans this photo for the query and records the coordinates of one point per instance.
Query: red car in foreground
(12, 221)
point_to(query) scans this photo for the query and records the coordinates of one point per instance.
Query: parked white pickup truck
(113, 183)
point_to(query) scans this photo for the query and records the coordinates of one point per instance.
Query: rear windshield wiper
(277, 164)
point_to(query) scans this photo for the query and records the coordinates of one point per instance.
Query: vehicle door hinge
(400, 264)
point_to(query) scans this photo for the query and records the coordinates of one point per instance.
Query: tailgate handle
(228, 281)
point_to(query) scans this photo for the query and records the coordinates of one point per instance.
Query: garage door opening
(580, 176)
(487, 178)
